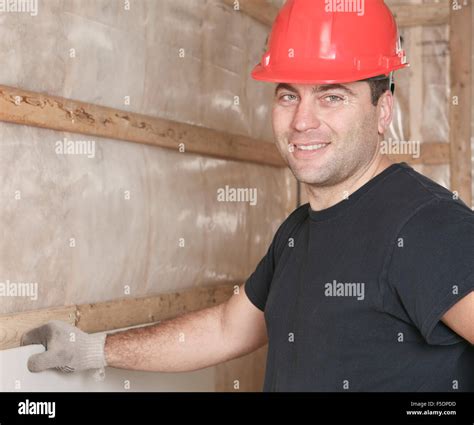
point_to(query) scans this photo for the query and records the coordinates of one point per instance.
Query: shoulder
(439, 217)
(434, 205)
(431, 189)
(438, 237)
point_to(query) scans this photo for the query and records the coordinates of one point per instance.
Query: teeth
(311, 147)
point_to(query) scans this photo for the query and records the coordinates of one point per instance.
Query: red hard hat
(317, 42)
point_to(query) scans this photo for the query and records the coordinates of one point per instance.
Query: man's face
(325, 132)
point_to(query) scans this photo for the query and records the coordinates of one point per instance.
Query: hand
(67, 348)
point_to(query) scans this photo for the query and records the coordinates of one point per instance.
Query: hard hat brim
(261, 73)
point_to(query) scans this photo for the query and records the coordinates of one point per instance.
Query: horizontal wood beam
(116, 314)
(407, 15)
(433, 153)
(13, 326)
(127, 312)
(40, 110)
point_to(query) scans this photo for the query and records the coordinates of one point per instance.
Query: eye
(334, 98)
(287, 97)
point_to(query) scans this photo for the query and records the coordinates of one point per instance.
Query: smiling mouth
(308, 147)
(311, 147)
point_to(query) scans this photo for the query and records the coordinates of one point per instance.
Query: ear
(385, 111)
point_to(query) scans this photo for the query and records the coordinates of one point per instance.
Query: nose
(306, 116)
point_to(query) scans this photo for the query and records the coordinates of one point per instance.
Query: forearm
(189, 342)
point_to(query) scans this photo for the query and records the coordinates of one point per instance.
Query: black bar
(237, 408)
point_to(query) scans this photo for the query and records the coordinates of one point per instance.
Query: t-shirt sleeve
(432, 266)
(257, 285)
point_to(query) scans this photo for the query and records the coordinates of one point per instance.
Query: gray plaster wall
(88, 229)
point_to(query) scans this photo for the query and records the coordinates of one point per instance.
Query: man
(369, 287)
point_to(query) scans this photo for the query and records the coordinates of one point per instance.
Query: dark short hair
(378, 86)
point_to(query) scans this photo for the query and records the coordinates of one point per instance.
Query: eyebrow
(317, 89)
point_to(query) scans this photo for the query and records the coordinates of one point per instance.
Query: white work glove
(67, 348)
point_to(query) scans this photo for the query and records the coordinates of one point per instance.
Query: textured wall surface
(95, 51)
(85, 228)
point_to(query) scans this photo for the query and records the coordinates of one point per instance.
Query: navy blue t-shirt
(353, 295)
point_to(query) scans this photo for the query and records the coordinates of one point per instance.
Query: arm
(189, 342)
(460, 318)
(193, 341)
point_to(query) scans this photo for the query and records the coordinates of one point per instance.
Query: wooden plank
(134, 311)
(56, 113)
(114, 314)
(13, 326)
(35, 109)
(433, 153)
(460, 104)
(407, 15)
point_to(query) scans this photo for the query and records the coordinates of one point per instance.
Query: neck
(321, 198)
